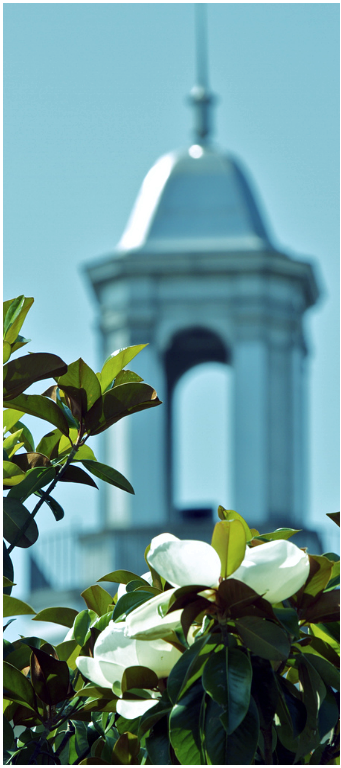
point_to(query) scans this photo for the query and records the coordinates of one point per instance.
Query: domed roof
(195, 199)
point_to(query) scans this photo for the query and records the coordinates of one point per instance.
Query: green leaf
(108, 474)
(8, 734)
(117, 403)
(328, 714)
(152, 716)
(121, 577)
(128, 602)
(138, 677)
(27, 461)
(81, 626)
(19, 374)
(80, 383)
(17, 687)
(68, 651)
(264, 638)
(27, 437)
(63, 616)
(34, 480)
(242, 743)
(280, 533)
(19, 342)
(229, 515)
(16, 311)
(216, 739)
(264, 690)
(7, 350)
(188, 668)
(215, 675)
(84, 452)
(126, 377)
(325, 608)
(185, 722)
(12, 475)
(12, 443)
(55, 507)
(157, 744)
(322, 576)
(7, 582)
(114, 364)
(7, 568)
(239, 687)
(14, 607)
(49, 442)
(288, 618)
(50, 678)
(75, 474)
(15, 517)
(229, 541)
(10, 418)
(335, 517)
(97, 599)
(329, 674)
(43, 408)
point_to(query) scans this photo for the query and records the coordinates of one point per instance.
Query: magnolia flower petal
(186, 562)
(157, 655)
(111, 671)
(132, 709)
(114, 646)
(147, 621)
(90, 668)
(276, 569)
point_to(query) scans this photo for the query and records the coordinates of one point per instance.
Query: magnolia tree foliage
(220, 654)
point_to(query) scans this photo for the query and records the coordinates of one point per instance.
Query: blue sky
(95, 93)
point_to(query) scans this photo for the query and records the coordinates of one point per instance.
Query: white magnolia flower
(114, 652)
(275, 569)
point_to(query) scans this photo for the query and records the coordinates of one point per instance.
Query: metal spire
(200, 96)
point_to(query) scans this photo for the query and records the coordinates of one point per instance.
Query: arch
(188, 348)
(202, 441)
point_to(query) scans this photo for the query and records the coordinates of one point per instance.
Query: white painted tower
(196, 276)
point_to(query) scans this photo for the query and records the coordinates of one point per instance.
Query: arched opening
(201, 441)
(199, 424)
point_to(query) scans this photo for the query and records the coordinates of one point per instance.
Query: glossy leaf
(229, 541)
(328, 714)
(328, 673)
(81, 627)
(185, 723)
(97, 599)
(14, 607)
(152, 716)
(15, 312)
(335, 516)
(121, 577)
(12, 475)
(325, 608)
(189, 667)
(264, 690)
(19, 374)
(12, 442)
(128, 602)
(55, 507)
(37, 405)
(138, 677)
(26, 436)
(15, 517)
(126, 377)
(215, 676)
(321, 577)
(81, 384)
(63, 616)
(157, 744)
(10, 418)
(240, 600)
(17, 687)
(279, 533)
(229, 515)
(75, 474)
(7, 565)
(117, 403)
(216, 738)
(264, 638)
(49, 442)
(126, 749)
(242, 743)
(26, 461)
(8, 734)
(34, 480)
(6, 351)
(108, 474)
(50, 677)
(114, 364)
